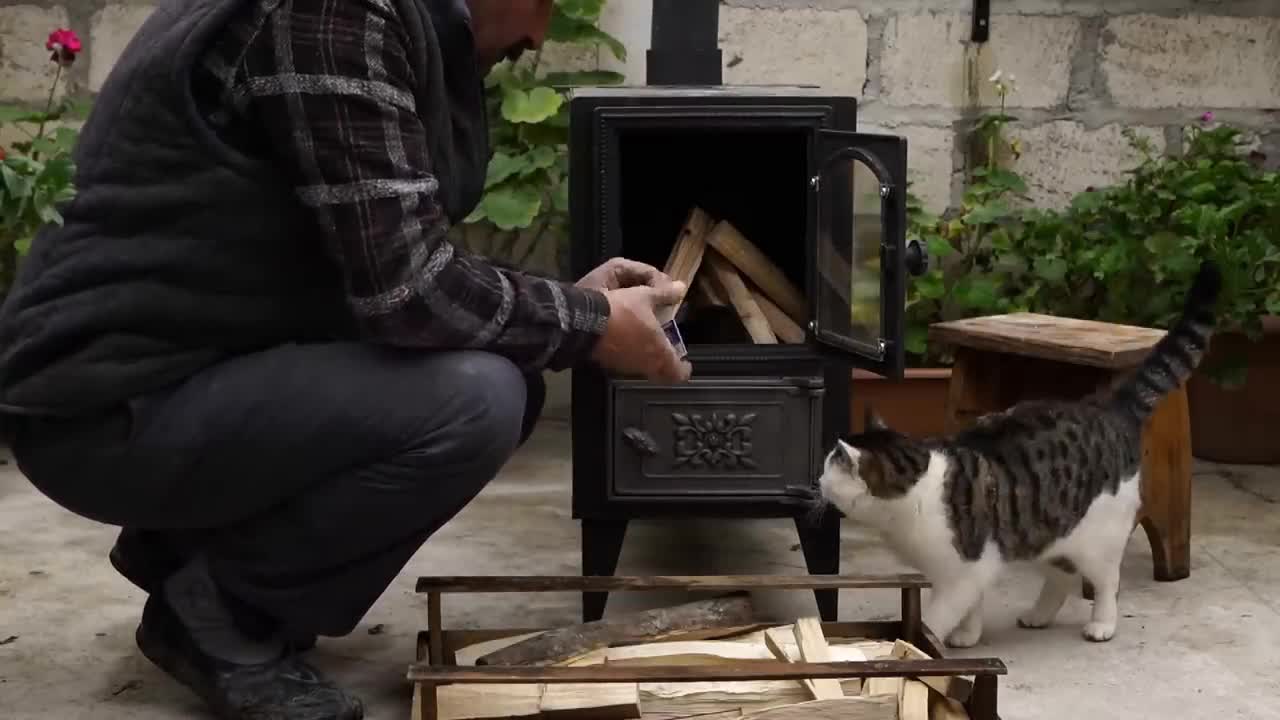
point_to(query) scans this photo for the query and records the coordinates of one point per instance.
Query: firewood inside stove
(730, 278)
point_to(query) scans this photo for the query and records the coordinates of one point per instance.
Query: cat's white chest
(915, 525)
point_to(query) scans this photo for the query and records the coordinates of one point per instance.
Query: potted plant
(524, 211)
(36, 173)
(1127, 253)
(963, 279)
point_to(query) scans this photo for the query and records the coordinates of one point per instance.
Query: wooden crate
(436, 662)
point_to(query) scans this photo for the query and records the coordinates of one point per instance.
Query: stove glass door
(858, 273)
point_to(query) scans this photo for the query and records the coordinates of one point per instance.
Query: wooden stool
(1001, 360)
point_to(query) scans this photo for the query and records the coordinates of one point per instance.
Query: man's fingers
(668, 293)
(630, 273)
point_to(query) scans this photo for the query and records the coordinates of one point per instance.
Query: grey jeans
(308, 474)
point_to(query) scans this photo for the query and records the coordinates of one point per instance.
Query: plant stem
(48, 104)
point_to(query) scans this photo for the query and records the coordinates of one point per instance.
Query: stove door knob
(917, 258)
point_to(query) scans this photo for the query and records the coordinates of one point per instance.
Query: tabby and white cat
(1056, 484)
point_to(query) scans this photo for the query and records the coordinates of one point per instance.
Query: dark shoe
(284, 689)
(143, 560)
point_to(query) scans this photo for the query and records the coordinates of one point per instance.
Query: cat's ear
(873, 421)
(847, 450)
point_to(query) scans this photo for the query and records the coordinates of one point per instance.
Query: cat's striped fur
(1052, 483)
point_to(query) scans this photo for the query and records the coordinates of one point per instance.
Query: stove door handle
(641, 441)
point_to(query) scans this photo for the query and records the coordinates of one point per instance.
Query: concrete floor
(1200, 648)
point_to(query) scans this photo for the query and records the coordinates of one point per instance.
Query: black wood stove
(826, 204)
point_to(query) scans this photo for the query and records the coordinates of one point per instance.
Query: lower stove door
(714, 438)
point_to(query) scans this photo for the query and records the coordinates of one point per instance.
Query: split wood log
(813, 649)
(564, 643)
(949, 686)
(709, 293)
(753, 263)
(942, 707)
(784, 327)
(597, 701)
(880, 707)
(686, 255)
(914, 702)
(489, 702)
(731, 284)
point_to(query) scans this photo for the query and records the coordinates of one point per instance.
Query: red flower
(64, 44)
(1, 152)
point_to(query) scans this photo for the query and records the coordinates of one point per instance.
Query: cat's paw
(1099, 632)
(1033, 621)
(964, 638)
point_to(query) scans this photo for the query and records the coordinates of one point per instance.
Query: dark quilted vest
(178, 250)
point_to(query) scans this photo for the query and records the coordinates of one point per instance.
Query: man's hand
(633, 341)
(618, 273)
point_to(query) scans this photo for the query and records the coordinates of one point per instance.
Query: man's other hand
(618, 273)
(633, 342)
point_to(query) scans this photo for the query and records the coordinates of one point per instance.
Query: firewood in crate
(948, 686)
(913, 704)
(574, 640)
(597, 701)
(731, 284)
(846, 708)
(754, 264)
(813, 649)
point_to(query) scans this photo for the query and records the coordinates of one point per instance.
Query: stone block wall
(1085, 70)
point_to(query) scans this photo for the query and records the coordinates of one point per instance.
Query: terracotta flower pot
(1239, 425)
(915, 405)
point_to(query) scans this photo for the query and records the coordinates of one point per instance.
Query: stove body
(826, 205)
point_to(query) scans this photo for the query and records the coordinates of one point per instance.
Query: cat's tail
(1178, 353)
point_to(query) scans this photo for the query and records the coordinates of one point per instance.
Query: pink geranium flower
(64, 44)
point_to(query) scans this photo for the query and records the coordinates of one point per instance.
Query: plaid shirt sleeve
(331, 84)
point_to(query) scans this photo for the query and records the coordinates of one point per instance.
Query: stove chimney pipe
(684, 45)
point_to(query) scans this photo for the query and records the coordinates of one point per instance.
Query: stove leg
(601, 548)
(821, 546)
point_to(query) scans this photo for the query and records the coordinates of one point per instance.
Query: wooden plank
(563, 643)
(883, 707)
(1069, 340)
(813, 649)
(754, 264)
(498, 674)
(731, 284)
(605, 583)
(784, 327)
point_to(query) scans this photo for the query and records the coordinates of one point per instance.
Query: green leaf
(503, 166)
(1051, 269)
(533, 106)
(512, 207)
(987, 214)
(583, 78)
(930, 285)
(22, 245)
(916, 339)
(583, 10)
(939, 248)
(566, 29)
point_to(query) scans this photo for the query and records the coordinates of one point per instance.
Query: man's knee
(491, 405)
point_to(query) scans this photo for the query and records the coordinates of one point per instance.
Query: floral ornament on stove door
(722, 442)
